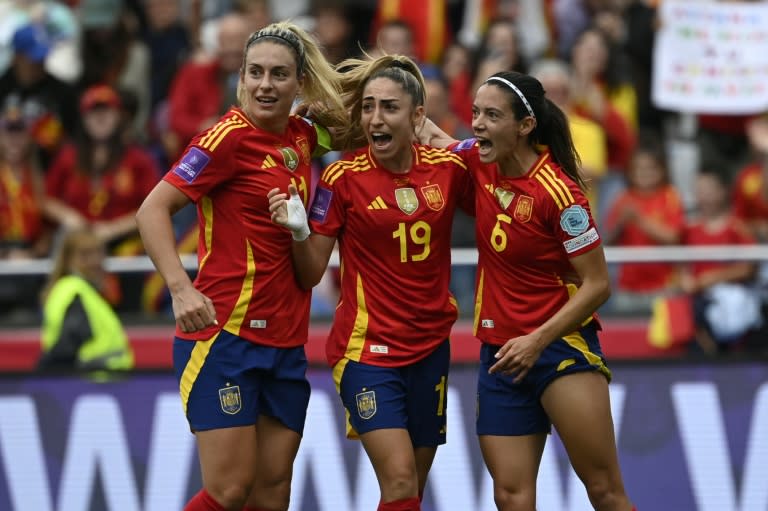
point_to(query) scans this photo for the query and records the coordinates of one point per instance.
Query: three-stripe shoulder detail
(434, 155)
(556, 187)
(361, 163)
(219, 131)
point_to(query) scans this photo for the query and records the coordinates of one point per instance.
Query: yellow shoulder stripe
(554, 186)
(337, 169)
(214, 137)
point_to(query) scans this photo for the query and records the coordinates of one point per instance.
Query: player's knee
(231, 494)
(605, 494)
(514, 499)
(399, 482)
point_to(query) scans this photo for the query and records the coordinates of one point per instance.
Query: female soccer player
(542, 275)
(390, 206)
(242, 325)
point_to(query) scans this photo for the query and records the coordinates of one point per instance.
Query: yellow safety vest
(108, 347)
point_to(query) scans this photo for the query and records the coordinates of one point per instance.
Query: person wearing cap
(100, 178)
(49, 100)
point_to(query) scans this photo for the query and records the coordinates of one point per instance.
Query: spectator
(428, 28)
(333, 29)
(80, 328)
(394, 37)
(725, 304)
(46, 99)
(649, 213)
(203, 90)
(750, 191)
(113, 54)
(100, 179)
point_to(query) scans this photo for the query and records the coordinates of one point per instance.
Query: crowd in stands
(98, 98)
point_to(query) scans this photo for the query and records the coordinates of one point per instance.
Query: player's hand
(192, 310)
(289, 211)
(517, 356)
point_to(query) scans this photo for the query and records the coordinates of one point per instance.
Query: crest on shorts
(504, 197)
(230, 399)
(407, 200)
(290, 158)
(433, 196)
(524, 208)
(366, 404)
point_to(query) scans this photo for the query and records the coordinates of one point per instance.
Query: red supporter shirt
(528, 228)
(394, 235)
(119, 191)
(750, 196)
(20, 216)
(665, 207)
(244, 260)
(732, 232)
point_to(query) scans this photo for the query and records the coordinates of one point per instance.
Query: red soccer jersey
(750, 195)
(527, 229)
(119, 191)
(732, 232)
(244, 260)
(394, 235)
(21, 220)
(664, 206)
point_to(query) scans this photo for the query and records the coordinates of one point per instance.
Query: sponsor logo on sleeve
(581, 241)
(574, 220)
(192, 164)
(321, 204)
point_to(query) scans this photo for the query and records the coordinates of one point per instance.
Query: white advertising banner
(711, 57)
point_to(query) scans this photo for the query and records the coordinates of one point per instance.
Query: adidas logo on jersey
(268, 163)
(377, 203)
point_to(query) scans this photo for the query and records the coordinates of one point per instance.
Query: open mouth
(266, 101)
(380, 140)
(484, 146)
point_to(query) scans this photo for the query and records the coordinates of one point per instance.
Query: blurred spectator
(256, 14)
(23, 233)
(43, 97)
(393, 37)
(22, 229)
(498, 51)
(649, 213)
(601, 90)
(203, 90)
(80, 329)
(589, 137)
(333, 30)
(100, 179)
(113, 54)
(726, 305)
(750, 190)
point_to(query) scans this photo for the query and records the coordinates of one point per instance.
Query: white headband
(517, 91)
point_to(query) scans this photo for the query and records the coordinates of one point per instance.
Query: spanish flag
(428, 20)
(671, 323)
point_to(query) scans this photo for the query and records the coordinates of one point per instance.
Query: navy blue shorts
(411, 397)
(510, 409)
(228, 381)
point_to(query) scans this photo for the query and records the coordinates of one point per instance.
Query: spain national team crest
(434, 196)
(366, 404)
(407, 200)
(524, 208)
(504, 197)
(290, 157)
(230, 399)
(303, 149)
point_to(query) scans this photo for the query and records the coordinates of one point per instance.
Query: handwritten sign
(712, 57)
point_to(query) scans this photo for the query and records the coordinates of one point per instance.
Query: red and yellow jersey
(394, 234)
(750, 194)
(664, 206)
(244, 260)
(119, 191)
(21, 220)
(528, 228)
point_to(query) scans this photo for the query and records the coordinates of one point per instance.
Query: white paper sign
(712, 57)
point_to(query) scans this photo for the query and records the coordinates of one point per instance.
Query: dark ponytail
(552, 129)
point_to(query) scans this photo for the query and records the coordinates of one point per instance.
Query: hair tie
(516, 90)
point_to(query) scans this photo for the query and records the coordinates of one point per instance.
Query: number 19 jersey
(394, 233)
